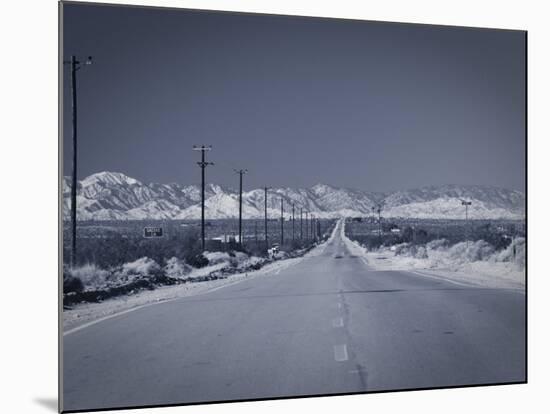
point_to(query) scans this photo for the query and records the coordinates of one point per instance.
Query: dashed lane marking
(340, 353)
(337, 322)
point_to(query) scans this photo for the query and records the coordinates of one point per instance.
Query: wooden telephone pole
(265, 220)
(75, 66)
(203, 164)
(241, 173)
(282, 223)
(293, 222)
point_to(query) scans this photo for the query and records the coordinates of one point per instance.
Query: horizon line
(306, 188)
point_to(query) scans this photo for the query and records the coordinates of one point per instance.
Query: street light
(75, 66)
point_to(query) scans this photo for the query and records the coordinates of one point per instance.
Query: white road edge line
(340, 353)
(104, 318)
(88, 324)
(442, 279)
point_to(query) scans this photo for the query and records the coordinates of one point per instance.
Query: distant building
(227, 238)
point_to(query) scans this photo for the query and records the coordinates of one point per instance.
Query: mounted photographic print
(262, 206)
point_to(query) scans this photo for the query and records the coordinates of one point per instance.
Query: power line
(203, 164)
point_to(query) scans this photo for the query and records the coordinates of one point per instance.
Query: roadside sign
(150, 232)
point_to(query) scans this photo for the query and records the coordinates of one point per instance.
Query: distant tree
(408, 234)
(421, 236)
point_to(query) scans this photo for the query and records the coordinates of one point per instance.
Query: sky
(297, 101)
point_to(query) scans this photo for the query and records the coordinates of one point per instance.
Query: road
(326, 325)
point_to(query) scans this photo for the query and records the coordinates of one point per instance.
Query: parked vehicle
(273, 250)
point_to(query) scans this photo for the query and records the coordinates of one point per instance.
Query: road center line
(340, 353)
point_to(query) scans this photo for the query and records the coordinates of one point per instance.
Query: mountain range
(115, 196)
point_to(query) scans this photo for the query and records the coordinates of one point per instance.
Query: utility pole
(265, 220)
(203, 164)
(75, 66)
(292, 222)
(379, 211)
(466, 203)
(311, 228)
(224, 237)
(318, 228)
(301, 224)
(380, 223)
(307, 225)
(241, 172)
(282, 224)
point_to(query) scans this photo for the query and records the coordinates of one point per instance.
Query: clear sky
(297, 101)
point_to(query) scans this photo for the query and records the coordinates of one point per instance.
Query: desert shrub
(218, 257)
(421, 252)
(115, 249)
(297, 244)
(507, 254)
(234, 258)
(91, 275)
(472, 251)
(191, 249)
(240, 256)
(408, 234)
(176, 268)
(402, 249)
(421, 236)
(256, 249)
(72, 284)
(437, 244)
(280, 255)
(371, 242)
(197, 260)
(415, 235)
(144, 266)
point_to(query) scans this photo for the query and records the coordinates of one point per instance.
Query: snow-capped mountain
(115, 196)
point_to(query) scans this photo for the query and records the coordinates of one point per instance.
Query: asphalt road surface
(326, 325)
